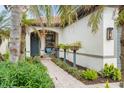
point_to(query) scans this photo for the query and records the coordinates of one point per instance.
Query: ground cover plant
(24, 74)
(89, 76)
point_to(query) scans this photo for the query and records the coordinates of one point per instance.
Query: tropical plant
(116, 74)
(6, 55)
(108, 70)
(15, 35)
(4, 26)
(107, 84)
(89, 74)
(111, 72)
(71, 70)
(75, 46)
(68, 14)
(24, 75)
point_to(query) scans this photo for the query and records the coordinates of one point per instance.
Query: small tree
(65, 47)
(74, 47)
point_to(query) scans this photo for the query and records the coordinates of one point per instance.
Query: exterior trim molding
(92, 55)
(84, 54)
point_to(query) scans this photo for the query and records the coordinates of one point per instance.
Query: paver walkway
(62, 79)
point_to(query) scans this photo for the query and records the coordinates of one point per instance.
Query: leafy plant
(111, 72)
(107, 84)
(71, 70)
(24, 75)
(64, 46)
(89, 74)
(6, 55)
(116, 74)
(108, 70)
(76, 44)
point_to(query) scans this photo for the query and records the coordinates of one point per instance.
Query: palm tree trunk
(15, 34)
(122, 56)
(23, 43)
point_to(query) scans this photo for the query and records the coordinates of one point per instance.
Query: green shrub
(6, 55)
(25, 75)
(107, 84)
(108, 70)
(116, 74)
(111, 72)
(36, 59)
(75, 72)
(64, 46)
(1, 57)
(89, 74)
(62, 64)
(71, 70)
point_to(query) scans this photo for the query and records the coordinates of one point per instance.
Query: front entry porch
(41, 43)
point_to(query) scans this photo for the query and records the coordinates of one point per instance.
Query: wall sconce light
(109, 33)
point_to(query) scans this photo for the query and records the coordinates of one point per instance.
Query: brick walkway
(62, 79)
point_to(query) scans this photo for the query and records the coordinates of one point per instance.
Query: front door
(35, 44)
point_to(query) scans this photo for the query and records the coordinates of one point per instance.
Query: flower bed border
(87, 82)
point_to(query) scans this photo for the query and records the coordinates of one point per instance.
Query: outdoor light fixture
(109, 33)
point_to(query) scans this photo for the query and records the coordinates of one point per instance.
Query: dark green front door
(35, 44)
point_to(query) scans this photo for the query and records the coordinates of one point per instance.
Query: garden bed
(25, 74)
(71, 64)
(76, 72)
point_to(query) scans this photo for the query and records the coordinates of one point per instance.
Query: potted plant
(74, 47)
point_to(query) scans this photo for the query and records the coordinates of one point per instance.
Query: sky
(2, 8)
(54, 9)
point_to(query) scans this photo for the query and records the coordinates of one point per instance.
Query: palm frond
(67, 14)
(120, 19)
(95, 19)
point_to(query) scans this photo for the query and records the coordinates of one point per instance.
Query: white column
(28, 45)
(42, 44)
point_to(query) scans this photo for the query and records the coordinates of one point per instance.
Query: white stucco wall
(96, 45)
(109, 45)
(80, 31)
(4, 46)
(96, 49)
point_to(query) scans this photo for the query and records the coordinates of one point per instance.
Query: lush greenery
(71, 46)
(24, 74)
(107, 84)
(4, 57)
(111, 72)
(64, 46)
(89, 74)
(71, 70)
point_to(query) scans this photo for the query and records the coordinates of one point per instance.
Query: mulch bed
(71, 64)
(90, 82)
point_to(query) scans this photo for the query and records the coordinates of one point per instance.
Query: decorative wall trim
(92, 55)
(84, 54)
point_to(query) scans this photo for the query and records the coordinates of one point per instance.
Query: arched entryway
(35, 44)
(51, 41)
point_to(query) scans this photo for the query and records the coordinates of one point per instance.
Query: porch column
(28, 45)
(42, 44)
